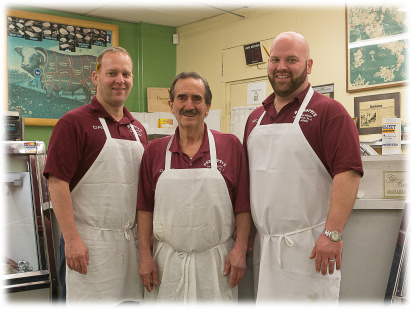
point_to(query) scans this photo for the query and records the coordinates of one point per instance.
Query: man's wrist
(334, 236)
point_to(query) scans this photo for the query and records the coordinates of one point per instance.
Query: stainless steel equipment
(29, 259)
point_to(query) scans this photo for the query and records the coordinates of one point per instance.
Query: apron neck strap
(168, 159)
(260, 118)
(134, 131)
(304, 104)
(105, 128)
(212, 150)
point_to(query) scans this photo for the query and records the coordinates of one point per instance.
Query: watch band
(332, 235)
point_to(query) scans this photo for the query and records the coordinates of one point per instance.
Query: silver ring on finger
(332, 261)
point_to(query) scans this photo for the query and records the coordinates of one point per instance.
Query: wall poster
(371, 109)
(376, 47)
(256, 93)
(50, 61)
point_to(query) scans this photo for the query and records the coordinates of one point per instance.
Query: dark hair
(194, 75)
(112, 50)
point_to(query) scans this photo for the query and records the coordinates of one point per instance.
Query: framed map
(50, 61)
(376, 47)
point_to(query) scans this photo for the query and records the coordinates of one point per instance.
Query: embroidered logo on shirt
(138, 130)
(307, 115)
(220, 165)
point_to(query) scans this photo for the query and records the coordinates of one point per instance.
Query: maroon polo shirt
(326, 125)
(78, 137)
(231, 162)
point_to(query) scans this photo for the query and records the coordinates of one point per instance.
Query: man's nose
(189, 104)
(282, 65)
(120, 78)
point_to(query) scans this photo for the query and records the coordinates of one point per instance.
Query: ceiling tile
(158, 13)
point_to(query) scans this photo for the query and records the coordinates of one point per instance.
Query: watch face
(335, 236)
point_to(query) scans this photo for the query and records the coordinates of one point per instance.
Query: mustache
(189, 113)
(283, 71)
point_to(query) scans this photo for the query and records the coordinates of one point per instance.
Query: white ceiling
(153, 12)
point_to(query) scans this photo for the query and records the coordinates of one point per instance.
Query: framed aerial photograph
(371, 109)
(50, 61)
(376, 47)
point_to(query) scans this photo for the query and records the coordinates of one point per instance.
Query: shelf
(375, 204)
(400, 157)
(378, 144)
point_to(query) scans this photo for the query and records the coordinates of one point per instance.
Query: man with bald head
(305, 166)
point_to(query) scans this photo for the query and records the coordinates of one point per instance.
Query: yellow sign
(165, 123)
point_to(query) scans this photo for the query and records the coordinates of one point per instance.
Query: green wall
(154, 60)
(157, 59)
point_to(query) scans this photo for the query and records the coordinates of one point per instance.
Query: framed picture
(50, 61)
(376, 47)
(327, 90)
(371, 109)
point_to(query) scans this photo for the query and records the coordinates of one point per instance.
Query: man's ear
(95, 78)
(309, 68)
(171, 106)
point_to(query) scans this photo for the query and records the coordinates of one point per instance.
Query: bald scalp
(293, 38)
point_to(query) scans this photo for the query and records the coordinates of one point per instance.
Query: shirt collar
(175, 146)
(100, 112)
(298, 99)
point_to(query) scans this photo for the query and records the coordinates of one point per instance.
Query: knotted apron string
(287, 239)
(126, 229)
(186, 258)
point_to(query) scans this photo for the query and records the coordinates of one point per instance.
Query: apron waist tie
(287, 239)
(186, 257)
(126, 229)
(184, 280)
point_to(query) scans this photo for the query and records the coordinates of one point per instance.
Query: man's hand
(327, 254)
(147, 271)
(77, 255)
(236, 263)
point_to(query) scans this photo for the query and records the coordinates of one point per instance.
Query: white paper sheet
(238, 119)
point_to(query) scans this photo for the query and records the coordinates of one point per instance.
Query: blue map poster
(50, 64)
(377, 43)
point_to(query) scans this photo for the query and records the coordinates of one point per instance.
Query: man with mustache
(305, 166)
(193, 195)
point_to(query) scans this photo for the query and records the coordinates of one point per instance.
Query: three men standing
(304, 166)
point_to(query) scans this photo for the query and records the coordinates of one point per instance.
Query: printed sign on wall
(395, 184)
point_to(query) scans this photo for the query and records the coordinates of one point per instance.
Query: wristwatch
(334, 236)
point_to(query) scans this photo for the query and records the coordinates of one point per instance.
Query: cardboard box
(157, 100)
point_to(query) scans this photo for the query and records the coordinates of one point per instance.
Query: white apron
(193, 224)
(104, 208)
(290, 195)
